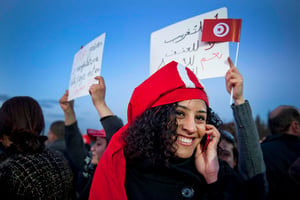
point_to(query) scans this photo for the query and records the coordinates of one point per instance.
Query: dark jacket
(143, 180)
(41, 175)
(180, 181)
(280, 151)
(80, 157)
(58, 145)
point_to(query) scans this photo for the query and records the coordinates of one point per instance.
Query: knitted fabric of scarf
(44, 175)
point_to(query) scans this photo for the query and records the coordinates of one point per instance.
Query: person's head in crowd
(284, 119)
(21, 124)
(56, 131)
(171, 120)
(28, 169)
(98, 144)
(230, 127)
(227, 149)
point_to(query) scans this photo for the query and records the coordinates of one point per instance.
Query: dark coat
(41, 175)
(280, 151)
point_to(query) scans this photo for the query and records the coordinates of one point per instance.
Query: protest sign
(86, 66)
(182, 43)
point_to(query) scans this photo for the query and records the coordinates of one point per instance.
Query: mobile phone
(204, 142)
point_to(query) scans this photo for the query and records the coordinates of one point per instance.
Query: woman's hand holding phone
(206, 158)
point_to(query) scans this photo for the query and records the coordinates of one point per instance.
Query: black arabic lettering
(193, 48)
(217, 15)
(181, 37)
(190, 61)
(211, 45)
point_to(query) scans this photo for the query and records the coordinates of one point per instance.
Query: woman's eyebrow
(201, 111)
(186, 108)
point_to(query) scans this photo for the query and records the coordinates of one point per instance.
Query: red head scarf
(170, 84)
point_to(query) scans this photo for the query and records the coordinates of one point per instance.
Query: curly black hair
(152, 135)
(214, 119)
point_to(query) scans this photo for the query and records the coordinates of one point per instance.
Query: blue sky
(38, 40)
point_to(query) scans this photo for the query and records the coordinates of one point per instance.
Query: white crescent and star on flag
(221, 29)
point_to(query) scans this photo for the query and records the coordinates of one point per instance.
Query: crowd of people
(174, 146)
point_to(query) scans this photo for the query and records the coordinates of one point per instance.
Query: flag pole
(235, 64)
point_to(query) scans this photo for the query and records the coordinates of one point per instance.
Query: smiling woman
(158, 154)
(191, 121)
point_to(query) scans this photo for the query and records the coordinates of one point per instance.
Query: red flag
(221, 30)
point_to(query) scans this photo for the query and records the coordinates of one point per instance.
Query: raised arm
(251, 163)
(234, 82)
(97, 92)
(68, 109)
(74, 143)
(110, 122)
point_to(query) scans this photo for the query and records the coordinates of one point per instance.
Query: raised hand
(234, 82)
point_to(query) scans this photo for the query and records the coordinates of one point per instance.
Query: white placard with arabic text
(181, 42)
(86, 66)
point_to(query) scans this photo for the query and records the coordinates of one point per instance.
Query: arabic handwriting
(211, 45)
(216, 55)
(197, 28)
(190, 61)
(193, 48)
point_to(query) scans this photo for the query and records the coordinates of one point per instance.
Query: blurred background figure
(28, 170)
(227, 149)
(281, 150)
(98, 144)
(84, 160)
(56, 136)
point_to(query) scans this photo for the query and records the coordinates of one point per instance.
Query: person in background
(231, 128)
(99, 143)
(227, 149)
(28, 170)
(82, 161)
(168, 148)
(280, 150)
(56, 136)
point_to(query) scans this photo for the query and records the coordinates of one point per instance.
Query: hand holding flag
(222, 30)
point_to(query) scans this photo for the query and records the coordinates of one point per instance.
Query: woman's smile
(186, 141)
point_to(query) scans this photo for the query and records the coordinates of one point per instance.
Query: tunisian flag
(221, 30)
